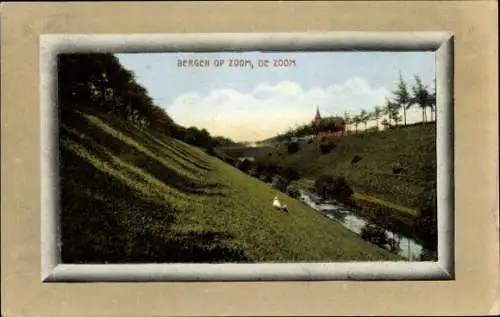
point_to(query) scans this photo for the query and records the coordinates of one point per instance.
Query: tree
(375, 234)
(335, 124)
(391, 110)
(245, 165)
(364, 117)
(328, 186)
(385, 123)
(100, 82)
(290, 173)
(432, 104)
(376, 114)
(293, 191)
(293, 147)
(356, 121)
(402, 97)
(427, 222)
(280, 183)
(347, 120)
(421, 97)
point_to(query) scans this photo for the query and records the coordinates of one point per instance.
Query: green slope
(412, 148)
(130, 195)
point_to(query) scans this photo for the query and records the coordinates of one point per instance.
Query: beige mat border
(475, 289)
(441, 43)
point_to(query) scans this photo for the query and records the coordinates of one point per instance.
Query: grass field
(132, 195)
(412, 149)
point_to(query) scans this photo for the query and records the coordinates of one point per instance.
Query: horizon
(252, 104)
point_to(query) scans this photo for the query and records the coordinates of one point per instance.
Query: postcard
(245, 158)
(257, 155)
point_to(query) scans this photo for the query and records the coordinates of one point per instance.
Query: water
(408, 248)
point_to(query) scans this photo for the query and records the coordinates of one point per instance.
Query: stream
(408, 248)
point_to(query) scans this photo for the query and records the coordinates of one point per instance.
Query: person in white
(277, 204)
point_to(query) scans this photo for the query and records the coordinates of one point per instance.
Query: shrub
(428, 255)
(426, 223)
(293, 191)
(280, 183)
(261, 167)
(292, 147)
(327, 147)
(394, 244)
(335, 187)
(374, 234)
(244, 165)
(272, 169)
(268, 178)
(210, 151)
(230, 160)
(290, 173)
(253, 172)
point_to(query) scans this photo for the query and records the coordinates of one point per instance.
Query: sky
(254, 103)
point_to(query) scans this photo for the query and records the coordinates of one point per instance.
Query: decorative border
(440, 42)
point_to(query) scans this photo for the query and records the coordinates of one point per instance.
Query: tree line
(327, 124)
(392, 113)
(99, 82)
(395, 108)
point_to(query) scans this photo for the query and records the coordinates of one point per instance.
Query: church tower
(317, 118)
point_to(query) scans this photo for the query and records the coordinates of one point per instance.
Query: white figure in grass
(278, 205)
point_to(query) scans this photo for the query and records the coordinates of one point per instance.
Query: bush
(428, 255)
(266, 177)
(253, 172)
(328, 186)
(327, 147)
(210, 151)
(293, 191)
(374, 234)
(292, 147)
(244, 165)
(261, 167)
(280, 183)
(426, 223)
(290, 173)
(230, 160)
(272, 169)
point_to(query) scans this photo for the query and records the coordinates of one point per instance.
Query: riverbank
(403, 244)
(391, 172)
(392, 217)
(364, 199)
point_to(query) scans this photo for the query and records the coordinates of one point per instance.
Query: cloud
(273, 108)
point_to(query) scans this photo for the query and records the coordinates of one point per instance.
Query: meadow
(131, 194)
(394, 167)
(391, 174)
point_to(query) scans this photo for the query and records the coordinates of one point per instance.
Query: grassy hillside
(410, 149)
(134, 195)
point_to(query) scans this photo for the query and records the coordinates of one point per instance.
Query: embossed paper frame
(439, 42)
